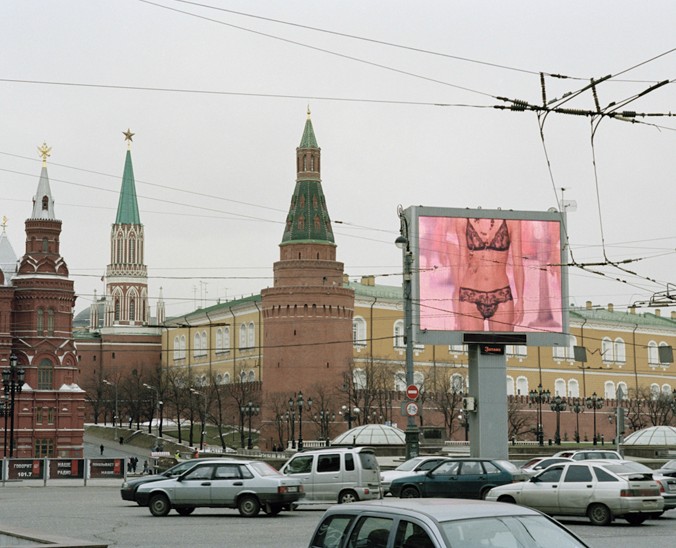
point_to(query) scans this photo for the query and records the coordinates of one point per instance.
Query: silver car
(600, 490)
(245, 485)
(438, 523)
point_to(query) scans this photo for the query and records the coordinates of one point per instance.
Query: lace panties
(486, 301)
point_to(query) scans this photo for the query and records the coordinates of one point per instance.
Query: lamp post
(299, 404)
(403, 243)
(577, 407)
(558, 405)
(114, 385)
(594, 402)
(324, 418)
(462, 418)
(250, 410)
(204, 416)
(4, 413)
(160, 405)
(539, 396)
(349, 414)
(12, 380)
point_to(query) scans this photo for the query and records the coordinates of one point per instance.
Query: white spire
(43, 203)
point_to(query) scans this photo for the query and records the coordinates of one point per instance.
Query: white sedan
(600, 490)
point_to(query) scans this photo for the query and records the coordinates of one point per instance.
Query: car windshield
(178, 469)
(264, 469)
(508, 466)
(508, 532)
(409, 465)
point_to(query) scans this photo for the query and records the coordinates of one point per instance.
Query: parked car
(584, 454)
(438, 523)
(668, 469)
(336, 474)
(468, 478)
(129, 487)
(666, 484)
(245, 485)
(600, 490)
(536, 465)
(416, 465)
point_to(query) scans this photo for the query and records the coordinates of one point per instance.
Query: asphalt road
(97, 513)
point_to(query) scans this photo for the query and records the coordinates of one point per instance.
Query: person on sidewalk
(101, 448)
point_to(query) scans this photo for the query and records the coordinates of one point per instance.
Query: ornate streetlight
(250, 410)
(349, 414)
(291, 421)
(558, 404)
(114, 385)
(12, 380)
(594, 402)
(203, 432)
(160, 405)
(324, 418)
(4, 412)
(462, 418)
(299, 404)
(577, 407)
(539, 396)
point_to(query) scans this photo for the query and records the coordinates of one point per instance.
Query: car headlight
(125, 485)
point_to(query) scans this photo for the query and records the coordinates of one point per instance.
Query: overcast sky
(215, 164)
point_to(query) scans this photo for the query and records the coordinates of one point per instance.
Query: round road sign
(412, 392)
(411, 409)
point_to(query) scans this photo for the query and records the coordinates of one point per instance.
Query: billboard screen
(488, 276)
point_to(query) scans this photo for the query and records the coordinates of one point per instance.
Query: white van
(343, 474)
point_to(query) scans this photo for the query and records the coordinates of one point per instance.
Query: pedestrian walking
(101, 448)
(145, 467)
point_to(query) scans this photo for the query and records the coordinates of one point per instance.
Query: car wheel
(409, 493)
(599, 514)
(636, 519)
(249, 506)
(185, 510)
(484, 492)
(159, 505)
(346, 497)
(507, 499)
(274, 509)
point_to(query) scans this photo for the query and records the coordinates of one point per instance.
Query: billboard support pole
(488, 425)
(403, 242)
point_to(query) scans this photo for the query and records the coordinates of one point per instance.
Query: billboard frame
(559, 337)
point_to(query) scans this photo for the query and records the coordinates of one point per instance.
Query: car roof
(437, 509)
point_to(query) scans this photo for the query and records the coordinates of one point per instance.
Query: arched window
(663, 364)
(359, 379)
(399, 334)
(196, 345)
(359, 331)
(132, 250)
(132, 309)
(41, 322)
(419, 380)
(654, 391)
(226, 339)
(177, 348)
(226, 378)
(45, 245)
(242, 376)
(117, 309)
(242, 336)
(609, 390)
(619, 352)
(607, 350)
(573, 388)
(45, 374)
(204, 344)
(653, 358)
(510, 386)
(251, 336)
(252, 376)
(666, 390)
(457, 383)
(572, 343)
(560, 388)
(50, 322)
(521, 386)
(400, 381)
(45, 203)
(182, 347)
(559, 352)
(219, 341)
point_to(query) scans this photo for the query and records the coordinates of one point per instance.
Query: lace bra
(500, 241)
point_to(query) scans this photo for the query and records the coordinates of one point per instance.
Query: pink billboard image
(497, 275)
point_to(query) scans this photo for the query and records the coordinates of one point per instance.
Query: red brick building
(36, 310)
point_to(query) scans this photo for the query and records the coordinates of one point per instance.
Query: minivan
(343, 474)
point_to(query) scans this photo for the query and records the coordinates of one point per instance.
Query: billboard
(488, 276)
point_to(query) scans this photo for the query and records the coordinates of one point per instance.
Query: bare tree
(518, 421)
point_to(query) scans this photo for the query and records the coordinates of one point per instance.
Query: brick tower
(307, 313)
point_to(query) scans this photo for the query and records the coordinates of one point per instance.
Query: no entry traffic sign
(412, 392)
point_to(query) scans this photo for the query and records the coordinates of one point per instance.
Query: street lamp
(558, 405)
(160, 405)
(324, 418)
(594, 402)
(204, 416)
(577, 407)
(250, 410)
(403, 243)
(114, 385)
(12, 380)
(299, 404)
(4, 412)
(539, 396)
(349, 414)
(464, 422)
(291, 423)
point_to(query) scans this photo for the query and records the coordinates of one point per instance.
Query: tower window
(45, 203)
(50, 322)
(41, 322)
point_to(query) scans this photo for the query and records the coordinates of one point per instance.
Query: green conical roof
(308, 140)
(308, 219)
(127, 207)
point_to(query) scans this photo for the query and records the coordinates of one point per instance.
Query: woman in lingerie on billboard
(486, 300)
